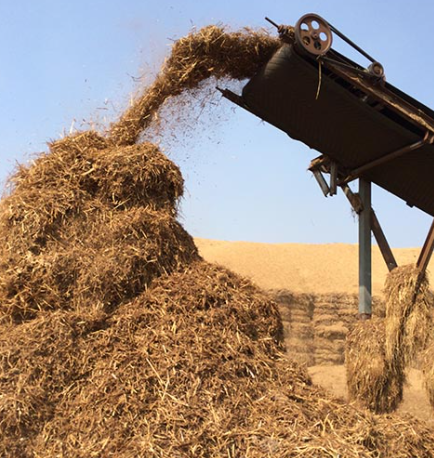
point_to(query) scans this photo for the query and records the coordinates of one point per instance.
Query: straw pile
(192, 367)
(116, 339)
(378, 351)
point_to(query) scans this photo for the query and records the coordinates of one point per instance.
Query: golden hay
(378, 352)
(371, 378)
(409, 307)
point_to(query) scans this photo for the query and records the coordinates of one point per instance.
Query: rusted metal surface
(427, 250)
(386, 95)
(353, 198)
(354, 121)
(319, 177)
(383, 244)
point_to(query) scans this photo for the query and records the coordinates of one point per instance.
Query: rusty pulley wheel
(313, 34)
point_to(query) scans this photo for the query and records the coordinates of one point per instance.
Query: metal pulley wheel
(313, 34)
(376, 69)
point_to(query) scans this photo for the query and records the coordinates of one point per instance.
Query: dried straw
(372, 379)
(409, 307)
(379, 351)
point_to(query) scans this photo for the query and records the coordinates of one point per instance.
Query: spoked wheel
(313, 34)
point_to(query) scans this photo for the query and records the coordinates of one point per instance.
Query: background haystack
(371, 378)
(116, 339)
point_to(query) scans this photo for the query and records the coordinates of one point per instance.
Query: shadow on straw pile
(409, 309)
(371, 379)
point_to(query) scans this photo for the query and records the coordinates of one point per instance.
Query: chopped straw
(371, 378)
(408, 313)
(116, 339)
(210, 52)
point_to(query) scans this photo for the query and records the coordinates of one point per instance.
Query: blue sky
(65, 65)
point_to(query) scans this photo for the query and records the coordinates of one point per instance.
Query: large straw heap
(116, 339)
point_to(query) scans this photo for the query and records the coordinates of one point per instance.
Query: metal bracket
(321, 165)
(356, 173)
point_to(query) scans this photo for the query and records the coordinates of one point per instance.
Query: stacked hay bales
(116, 339)
(379, 351)
(296, 311)
(316, 325)
(332, 319)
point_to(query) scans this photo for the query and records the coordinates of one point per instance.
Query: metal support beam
(354, 199)
(365, 260)
(375, 226)
(356, 173)
(321, 181)
(333, 179)
(427, 250)
(382, 242)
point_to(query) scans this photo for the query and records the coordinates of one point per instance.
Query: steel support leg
(427, 250)
(365, 263)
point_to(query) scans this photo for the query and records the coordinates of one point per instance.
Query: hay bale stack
(333, 316)
(297, 311)
(372, 379)
(316, 326)
(408, 313)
